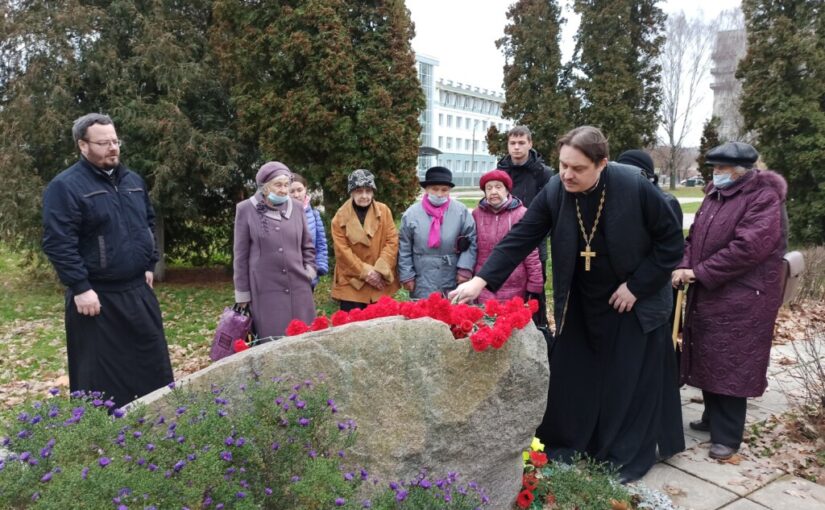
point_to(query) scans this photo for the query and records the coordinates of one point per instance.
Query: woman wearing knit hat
(274, 254)
(495, 215)
(366, 246)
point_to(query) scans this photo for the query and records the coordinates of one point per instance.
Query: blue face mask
(277, 199)
(722, 180)
(436, 200)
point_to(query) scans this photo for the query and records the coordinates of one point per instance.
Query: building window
(458, 121)
(466, 122)
(466, 166)
(467, 144)
(484, 125)
(475, 166)
(440, 142)
(449, 142)
(458, 144)
(475, 145)
(449, 121)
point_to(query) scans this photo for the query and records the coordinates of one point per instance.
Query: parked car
(693, 181)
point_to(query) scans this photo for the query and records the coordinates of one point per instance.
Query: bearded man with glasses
(99, 234)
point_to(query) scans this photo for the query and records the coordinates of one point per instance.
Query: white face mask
(436, 200)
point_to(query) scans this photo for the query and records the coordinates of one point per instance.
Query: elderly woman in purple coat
(733, 261)
(274, 254)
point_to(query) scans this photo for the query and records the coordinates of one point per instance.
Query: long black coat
(644, 241)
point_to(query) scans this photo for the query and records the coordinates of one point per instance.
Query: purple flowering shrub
(272, 444)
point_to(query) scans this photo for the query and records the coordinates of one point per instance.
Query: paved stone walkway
(694, 481)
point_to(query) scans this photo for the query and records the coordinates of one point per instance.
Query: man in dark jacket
(529, 174)
(98, 233)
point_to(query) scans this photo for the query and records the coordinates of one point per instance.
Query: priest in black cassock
(614, 242)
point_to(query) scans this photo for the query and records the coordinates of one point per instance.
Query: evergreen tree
(710, 139)
(496, 142)
(535, 92)
(326, 86)
(783, 102)
(618, 76)
(148, 65)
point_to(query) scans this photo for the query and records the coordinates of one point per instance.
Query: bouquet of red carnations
(490, 326)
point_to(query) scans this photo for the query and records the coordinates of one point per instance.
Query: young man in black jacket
(526, 168)
(98, 233)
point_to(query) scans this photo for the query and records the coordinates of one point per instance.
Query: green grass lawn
(690, 207)
(685, 192)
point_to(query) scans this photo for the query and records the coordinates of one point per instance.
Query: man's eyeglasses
(106, 143)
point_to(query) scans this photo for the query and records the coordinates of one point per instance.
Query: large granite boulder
(421, 398)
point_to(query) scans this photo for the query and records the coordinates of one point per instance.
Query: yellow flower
(525, 456)
(536, 445)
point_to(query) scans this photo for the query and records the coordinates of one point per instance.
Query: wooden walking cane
(678, 317)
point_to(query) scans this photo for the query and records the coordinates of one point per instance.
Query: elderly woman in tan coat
(366, 246)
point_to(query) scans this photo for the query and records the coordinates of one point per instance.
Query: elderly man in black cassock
(614, 242)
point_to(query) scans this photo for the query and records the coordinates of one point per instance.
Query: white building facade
(455, 123)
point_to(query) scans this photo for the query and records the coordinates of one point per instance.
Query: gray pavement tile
(744, 504)
(790, 493)
(688, 392)
(773, 399)
(757, 413)
(691, 412)
(742, 478)
(687, 491)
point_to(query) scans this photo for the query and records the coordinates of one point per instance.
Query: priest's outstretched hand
(467, 291)
(622, 300)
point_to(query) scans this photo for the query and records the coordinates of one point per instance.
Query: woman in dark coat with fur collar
(733, 261)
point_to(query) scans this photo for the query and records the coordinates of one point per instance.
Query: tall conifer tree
(148, 65)
(327, 86)
(536, 95)
(710, 139)
(783, 102)
(617, 46)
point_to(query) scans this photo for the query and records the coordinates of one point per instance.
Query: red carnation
(466, 325)
(498, 338)
(319, 323)
(339, 318)
(492, 307)
(529, 481)
(296, 327)
(480, 340)
(538, 459)
(533, 305)
(356, 315)
(239, 345)
(525, 499)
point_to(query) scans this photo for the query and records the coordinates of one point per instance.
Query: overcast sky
(461, 34)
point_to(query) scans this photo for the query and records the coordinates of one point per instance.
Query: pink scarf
(437, 214)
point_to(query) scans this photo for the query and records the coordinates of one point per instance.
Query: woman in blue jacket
(298, 191)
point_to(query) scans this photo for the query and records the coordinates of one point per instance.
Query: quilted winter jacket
(735, 248)
(491, 226)
(319, 238)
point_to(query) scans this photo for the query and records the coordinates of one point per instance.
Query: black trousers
(726, 416)
(352, 305)
(122, 351)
